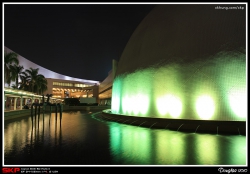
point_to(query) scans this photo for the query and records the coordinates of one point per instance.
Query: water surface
(83, 138)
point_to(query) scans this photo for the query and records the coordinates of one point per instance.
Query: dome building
(185, 63)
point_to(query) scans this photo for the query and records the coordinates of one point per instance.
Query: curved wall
(48, 73)
(184, 62)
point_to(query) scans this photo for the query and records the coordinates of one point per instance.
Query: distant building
(62, 86)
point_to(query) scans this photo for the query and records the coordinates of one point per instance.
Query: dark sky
(77, 40)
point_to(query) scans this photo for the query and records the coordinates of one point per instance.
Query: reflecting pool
(83, 138)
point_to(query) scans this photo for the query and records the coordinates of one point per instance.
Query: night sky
(77, 40)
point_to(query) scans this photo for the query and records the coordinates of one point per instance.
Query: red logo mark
(10, 170)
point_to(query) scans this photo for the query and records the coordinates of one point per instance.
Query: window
(62, 84)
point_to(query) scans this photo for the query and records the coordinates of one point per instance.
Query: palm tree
(41, 85)
(9, 59)
(34, 79)
(14, 86)
(24, 84)
(16, 71)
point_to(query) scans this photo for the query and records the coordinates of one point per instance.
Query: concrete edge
(182, 125)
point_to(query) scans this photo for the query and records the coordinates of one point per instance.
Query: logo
(10, 170)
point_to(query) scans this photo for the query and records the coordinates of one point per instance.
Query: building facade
(60, 86)
(71, 89)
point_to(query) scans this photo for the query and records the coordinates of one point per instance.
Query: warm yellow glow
(205, 107)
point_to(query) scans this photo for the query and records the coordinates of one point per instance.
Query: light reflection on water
(81, 138)
(136, 145)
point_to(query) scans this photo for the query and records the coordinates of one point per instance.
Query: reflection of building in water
(50, 139)
(49, 123)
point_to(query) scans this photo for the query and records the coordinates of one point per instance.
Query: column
(10, 105)
(21, 102)
(15, 101)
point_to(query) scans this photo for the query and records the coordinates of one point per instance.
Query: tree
(36, 81)
(9, 59)
(24, 84)
(14, 86)
(15, 73)
(41, 85)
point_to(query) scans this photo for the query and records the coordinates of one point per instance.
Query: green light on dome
(126, 105)
(169, 104)
(232, 78)
(238, 102)
(116, 95)
(175, 106)
(167, 85)
(140, 104)
(136, 92)
(161, 105)
(205, 107)
(210, 90)
(136, 104)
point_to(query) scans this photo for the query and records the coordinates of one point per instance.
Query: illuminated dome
(184, 62)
